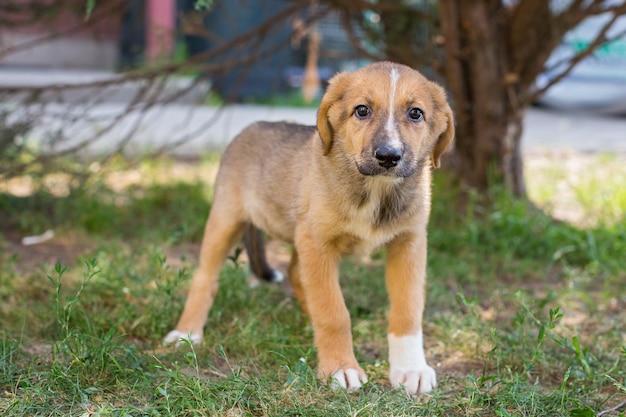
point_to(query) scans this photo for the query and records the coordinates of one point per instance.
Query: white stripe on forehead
(390, 127)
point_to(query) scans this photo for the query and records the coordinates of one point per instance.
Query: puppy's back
(263, 166)
(265, 150)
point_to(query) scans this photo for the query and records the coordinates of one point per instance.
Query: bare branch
(599, 40)
(355, 40)
(85, 122)
(610, 410)
(353, 6)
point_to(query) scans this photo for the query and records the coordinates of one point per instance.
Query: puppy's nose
(388, 157)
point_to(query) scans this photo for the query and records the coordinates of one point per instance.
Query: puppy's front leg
(406, 279)
(319, 276)
(222, 231)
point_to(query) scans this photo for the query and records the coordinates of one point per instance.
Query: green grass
(524, 314)
(292, 98)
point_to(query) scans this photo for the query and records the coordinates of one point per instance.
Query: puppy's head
(387, 118)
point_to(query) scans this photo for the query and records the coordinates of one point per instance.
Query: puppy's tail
(255, 247)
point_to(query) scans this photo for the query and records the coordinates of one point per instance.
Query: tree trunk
(493, 52)
(485, 95)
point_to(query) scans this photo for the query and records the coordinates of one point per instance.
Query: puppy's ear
(445, 125)
(334, 93)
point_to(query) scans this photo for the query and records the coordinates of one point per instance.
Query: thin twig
(610, 410)
(599, 40)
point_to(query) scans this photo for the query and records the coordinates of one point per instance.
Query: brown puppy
(360, 181)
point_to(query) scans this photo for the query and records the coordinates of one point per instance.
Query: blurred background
(184, 76)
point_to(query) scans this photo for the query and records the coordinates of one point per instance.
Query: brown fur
(323, 190)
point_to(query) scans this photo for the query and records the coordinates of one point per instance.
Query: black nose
(388, 157)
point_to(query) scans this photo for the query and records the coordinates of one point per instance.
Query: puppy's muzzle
(388, 157)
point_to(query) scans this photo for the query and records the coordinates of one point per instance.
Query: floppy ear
(445, 139)
(334, 93)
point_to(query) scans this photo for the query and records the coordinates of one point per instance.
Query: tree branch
(599, 40)
(74, 126)
(379, 6)
(355, 40)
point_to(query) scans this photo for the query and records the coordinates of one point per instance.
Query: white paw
(415, 381)
(349, 379)
(278, 276)
(407, 364)
(254, 281)
(177, 337)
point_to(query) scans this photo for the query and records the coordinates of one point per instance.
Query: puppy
(359, 181)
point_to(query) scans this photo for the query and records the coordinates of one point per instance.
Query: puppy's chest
(374, 221)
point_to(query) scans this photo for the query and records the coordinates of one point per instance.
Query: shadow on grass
(157, 211)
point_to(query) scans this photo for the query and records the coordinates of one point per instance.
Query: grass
(291, 98)
(524, 314)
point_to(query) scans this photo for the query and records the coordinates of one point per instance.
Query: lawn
(524, 317)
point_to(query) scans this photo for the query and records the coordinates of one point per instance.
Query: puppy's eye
(362, 111)
(415, 114)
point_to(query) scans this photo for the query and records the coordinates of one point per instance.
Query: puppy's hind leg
(222, 231)
(255, 247)
(294, 279)
(253, 239)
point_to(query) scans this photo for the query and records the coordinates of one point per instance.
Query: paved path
(583, 131)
